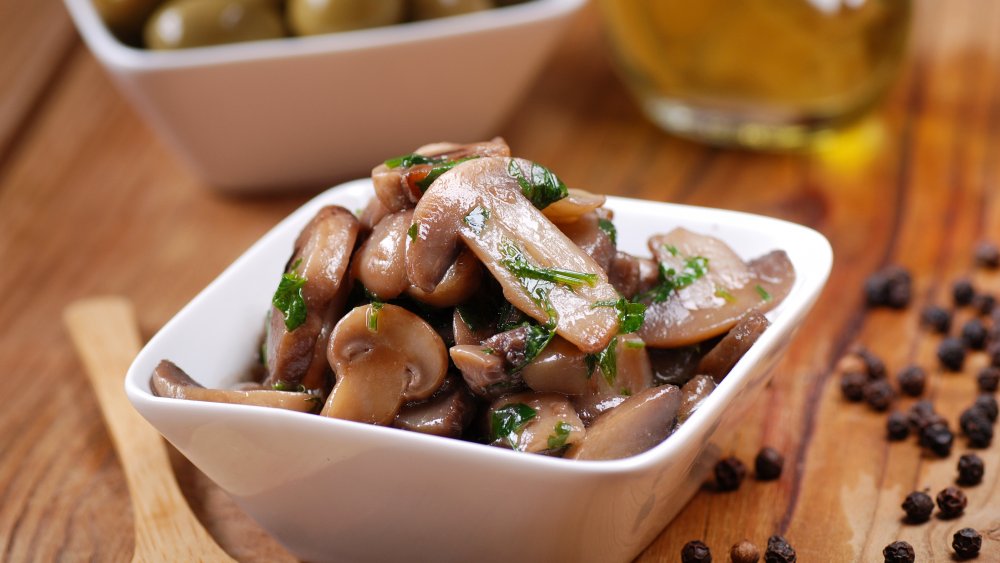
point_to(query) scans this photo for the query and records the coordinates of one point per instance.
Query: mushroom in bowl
(521, 379)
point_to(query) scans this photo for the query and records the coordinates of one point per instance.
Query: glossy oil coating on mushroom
(478, 297)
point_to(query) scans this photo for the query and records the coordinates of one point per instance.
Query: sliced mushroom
(445, 414)
(721, 288)
(460, 281)
(693, 394)
(675, 366)
(628, 372)
(168, 380)
(719, 361)
(397, 187)
(467, 334)
(480, 202)
(382, 357)
(631, 275)
(639, 423)
(575, 205)
(587, 234)
(484, 371)
(321, 255)
(534, 422)
(372, 213)
(559, 368)
(380, 263)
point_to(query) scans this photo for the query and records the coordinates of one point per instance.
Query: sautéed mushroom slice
(168, 380)
(534, 422)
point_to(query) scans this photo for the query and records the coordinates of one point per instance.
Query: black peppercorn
(852, 385)
(898, 552)
(938, 438)
(729, 473)
(744, 552)
(967, 543)
(974, 334)
(987, 255)
(889, 287)
(951, 502)
(768, 464)
(918, 506)
(921, 414)
(897, 426)
(962, 292)
(696, 552)
(970, 470)
(912, 380)
(988, 379)
(879, 394)
(951, 353)
(987, 404)
(984, 303)
(873, 364)
(779, 550)
(977, 427)
(936, 318)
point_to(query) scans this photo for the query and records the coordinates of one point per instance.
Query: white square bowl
(334, 490)
(302, 112)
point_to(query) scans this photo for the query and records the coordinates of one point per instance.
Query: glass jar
(757, 73)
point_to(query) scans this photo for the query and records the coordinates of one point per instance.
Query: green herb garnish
(286, 386)
(413, 231)
(408, 160)
(720, 292)
(371, 317)
(288, 298)
(671, 249)
(635, 344)
(438, 170)
(630, 315)
(670, 280)
(542, 187)
(558, 439)
(607, 360)
(508, 419)
(476, 219)
(537, 338)
(764, 295)
(515, 261)
(609, 229)
(488, 350)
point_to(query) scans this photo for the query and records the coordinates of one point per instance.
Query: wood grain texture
(91, 202)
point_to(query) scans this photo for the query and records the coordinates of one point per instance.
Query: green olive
(312, 17)
(194, 23)
(125, 17)
(430, 9)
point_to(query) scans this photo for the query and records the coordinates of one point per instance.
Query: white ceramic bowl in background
(334, 490)
(302, 112)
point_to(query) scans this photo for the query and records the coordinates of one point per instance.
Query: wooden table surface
(91, 203)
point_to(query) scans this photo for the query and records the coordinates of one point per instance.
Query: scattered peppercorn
(897, 426)
(967, 543)
(898, 552)
(918, 506)
(889, 287)
(970, 470)
(987, 404)
(988, 379)
(779, 550)
(984, 303)
(977, 427)
(951, 353)
(921, 414)
(938, 438)
(936, 318)
(951, 502)
(987, 255)
(744, 552)
(729, 473)
(974, 334)
(912, 380)
(696, 552)
(768, 464)
(993, 350)
(962, 292)
(874, 364)
(852, 385)
(879, 394)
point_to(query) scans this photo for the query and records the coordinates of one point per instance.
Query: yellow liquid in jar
(757, 72)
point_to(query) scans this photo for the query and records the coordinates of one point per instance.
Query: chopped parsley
(630, 315)
(635, 344)
(476, 219)
(764, 295)
(518, 265)
(558, 440)
(671, 249)
(440, 168)
(488, 350)
(695, 267)
(542, 187)
(508, 419)
(413, 231)
(609, 229)
(536, 339)
(371, 316)
(288, 298)
(286, 386)
(721, 292)
(408, 160)
(606, 360)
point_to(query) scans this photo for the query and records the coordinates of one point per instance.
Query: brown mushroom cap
(321, 255)
(168, 380)
(380, 262)
(636, 425)
(382, 357)
(507, 220)
(460, 282)
(713, 302)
